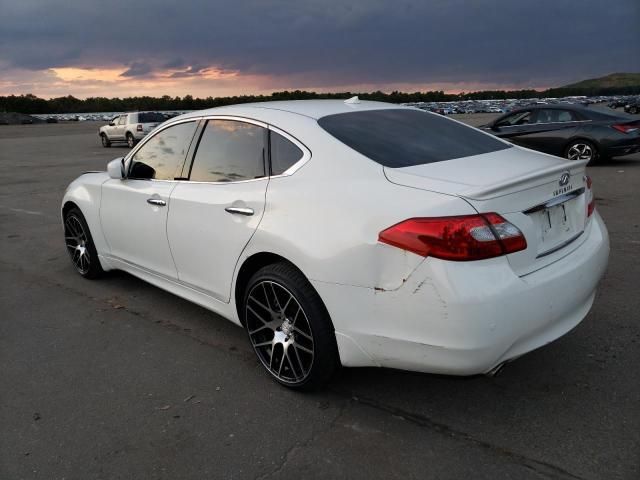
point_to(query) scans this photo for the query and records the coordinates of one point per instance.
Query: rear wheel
(582, 150)
(105, 141)
(289, 328)
(131, 142)
(80, 246)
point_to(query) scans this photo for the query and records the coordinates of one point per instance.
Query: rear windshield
(402, 137)
(150, 117)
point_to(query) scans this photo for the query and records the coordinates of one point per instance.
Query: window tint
(163, 154)
(519, 118)
(555, 116)
(283, 153)
(150, 117)
(402, 138)
(229, 151)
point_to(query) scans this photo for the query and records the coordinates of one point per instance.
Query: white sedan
(349, 233)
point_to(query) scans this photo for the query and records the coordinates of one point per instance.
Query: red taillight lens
(591, 200)
(625, 128)
(460, 238)
(139, 128)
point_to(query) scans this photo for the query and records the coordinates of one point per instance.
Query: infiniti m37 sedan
(349, 233)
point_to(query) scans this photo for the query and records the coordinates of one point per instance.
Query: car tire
(289, 327)
(80, 246)
(582, 150)
(106, 143)
(131, 142)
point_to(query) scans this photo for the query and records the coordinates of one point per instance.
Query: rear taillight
(625, 128)
(139, 128)
(591, 200)
(460, 238)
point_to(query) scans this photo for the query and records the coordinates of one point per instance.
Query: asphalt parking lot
(114, 378)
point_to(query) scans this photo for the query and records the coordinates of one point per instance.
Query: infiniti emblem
(564, 179)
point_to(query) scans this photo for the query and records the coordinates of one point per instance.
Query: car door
(133, 210)
(550, 130)
(121, 124)
(215, 212)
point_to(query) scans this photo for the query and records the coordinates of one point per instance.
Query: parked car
(632, 107)
(353, 233)
(569, 131)
(129, 128)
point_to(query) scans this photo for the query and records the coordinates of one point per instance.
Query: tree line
(31, 104)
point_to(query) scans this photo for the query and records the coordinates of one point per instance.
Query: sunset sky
(143, 47)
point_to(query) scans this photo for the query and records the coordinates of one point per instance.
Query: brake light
(139, 128)
(625, 128)
(591, 200)
(460, 238)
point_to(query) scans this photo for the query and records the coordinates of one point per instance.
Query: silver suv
(129, 127)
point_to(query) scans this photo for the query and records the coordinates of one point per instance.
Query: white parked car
(129, 128)
(353, 233)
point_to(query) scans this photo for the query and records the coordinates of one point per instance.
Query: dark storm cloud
(193, 70)
(137, 69)
(332, 42)
(175, 63)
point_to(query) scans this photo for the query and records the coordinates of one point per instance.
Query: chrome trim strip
(306, 153)
(560, 247)
(544, 123)
(555, 201)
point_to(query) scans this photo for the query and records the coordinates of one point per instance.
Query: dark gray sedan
(569, 131)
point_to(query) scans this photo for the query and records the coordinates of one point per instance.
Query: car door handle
(157, 202)
(240, 211)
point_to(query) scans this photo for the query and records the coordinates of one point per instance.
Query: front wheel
(80, 246)
(105, 141)
(289, 327)
(582, 150)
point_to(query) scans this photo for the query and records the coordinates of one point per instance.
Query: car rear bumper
(465, 318)
(620, 150)
(618, 144)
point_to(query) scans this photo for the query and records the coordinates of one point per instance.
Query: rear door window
(230, 151)
(404, 137)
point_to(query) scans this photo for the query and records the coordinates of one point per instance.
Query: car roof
(309, 108)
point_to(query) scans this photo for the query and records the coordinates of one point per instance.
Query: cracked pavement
(115, 378)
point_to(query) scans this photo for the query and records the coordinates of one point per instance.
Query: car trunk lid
(544, 196)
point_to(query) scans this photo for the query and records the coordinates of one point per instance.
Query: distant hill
(613, 80)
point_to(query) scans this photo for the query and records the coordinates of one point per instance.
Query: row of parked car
(631, 104)
(568, 130)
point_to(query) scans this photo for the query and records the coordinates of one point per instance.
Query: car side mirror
(115, 168)
(112, 124)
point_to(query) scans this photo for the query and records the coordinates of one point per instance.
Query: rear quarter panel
(326, 217)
